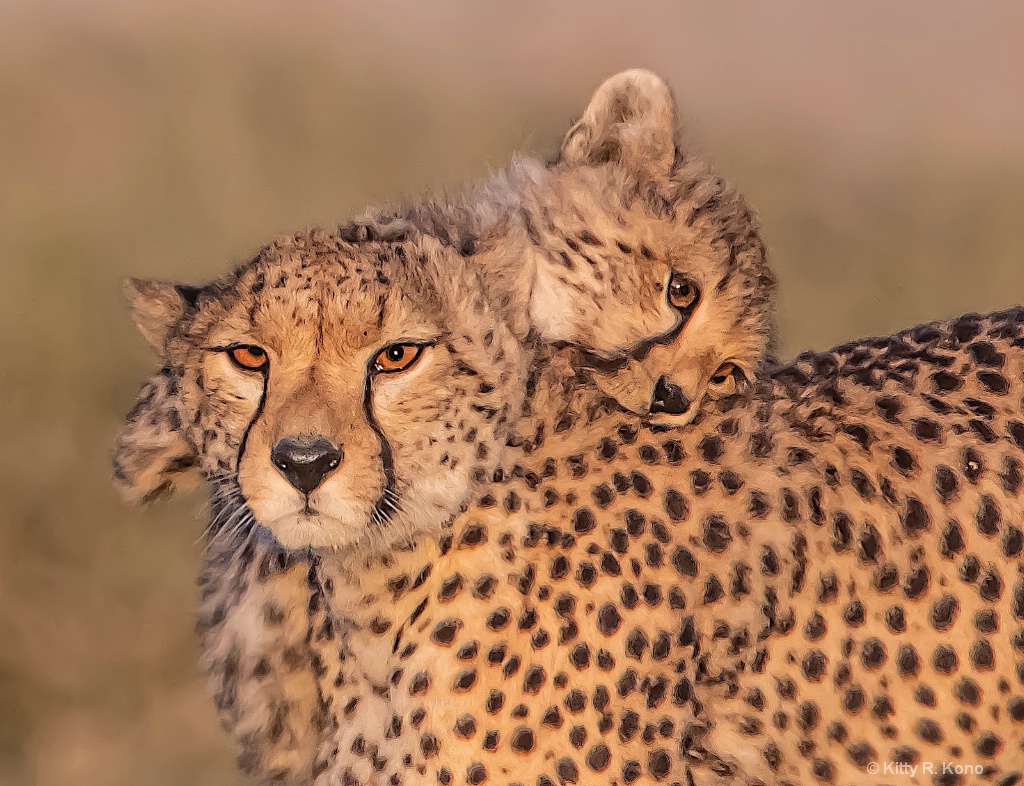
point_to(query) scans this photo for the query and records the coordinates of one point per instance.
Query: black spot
(534, 680)
(815, 627)
(828, 588)
(711, 448)
(1013, 542)
(861, 754)
(603, 495)
(641, 484)
(886, 578)
(986, 621)
(924, 695)
(952, 540)
(929, 731)
(872, 653)
(813, 665)
(675, 505)
(552, 717)
(988, 517)
(970, 569)
(982, 656)
(854, 699)
(580, 656)
(903, 461)
(988, 745)
(944, 659)
(945, 483)
(944, 612)
(853, 614)
(993, 382)
(716, 534)
(684, 562)
(713, 590)
(608, 619)
(464, 681)
(598, 758)
(823, 770)
(908, 664)
(944, 381)
(473, 535)
(915, 518)
(522, 740)
(566, 770)
(498, 619)
(495, 701)
(925, 429)
(991, 586)
(658, 764)
(583, 521)
(916, 583)
(444, 632)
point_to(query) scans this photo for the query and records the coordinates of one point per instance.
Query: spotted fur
(818, 574)
(822, 577)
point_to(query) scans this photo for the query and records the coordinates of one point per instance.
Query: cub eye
(248, 357)
(726, 380)
(397, 357)
(683, 293)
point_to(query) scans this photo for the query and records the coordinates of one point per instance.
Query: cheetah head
(339, 394)
(653, 266)
(626, 247)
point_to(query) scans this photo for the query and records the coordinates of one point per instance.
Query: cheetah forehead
(316, 285)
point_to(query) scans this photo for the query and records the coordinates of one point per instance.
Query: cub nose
(669, 398)
(306, 461)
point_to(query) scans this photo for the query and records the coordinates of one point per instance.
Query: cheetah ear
(157, 306)
(631, 119)
(153, 457)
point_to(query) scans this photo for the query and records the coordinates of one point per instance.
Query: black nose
(669, 398)
(306, 462)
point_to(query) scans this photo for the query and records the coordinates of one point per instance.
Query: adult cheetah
(732, 602)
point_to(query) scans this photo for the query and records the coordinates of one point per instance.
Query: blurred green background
(884, 148)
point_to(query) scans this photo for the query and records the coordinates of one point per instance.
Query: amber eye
(397, 357)
(726, 380)
(683, 293)
(248, 357)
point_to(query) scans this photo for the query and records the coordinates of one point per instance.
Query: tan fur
(153, 457)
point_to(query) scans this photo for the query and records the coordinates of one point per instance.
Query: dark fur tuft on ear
(153, 456)
(631, 120)
(190, 294)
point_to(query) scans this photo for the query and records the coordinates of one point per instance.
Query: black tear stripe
(612, 364)
(385, 504)
(252, 422)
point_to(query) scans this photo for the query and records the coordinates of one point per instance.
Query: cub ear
(631, 119)
(153, 456)
(157, 306)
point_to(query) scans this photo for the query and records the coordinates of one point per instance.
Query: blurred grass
(173, 142)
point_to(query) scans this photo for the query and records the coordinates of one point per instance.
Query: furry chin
(301, 531)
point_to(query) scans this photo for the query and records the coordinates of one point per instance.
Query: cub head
(652, 267)
(339, 393)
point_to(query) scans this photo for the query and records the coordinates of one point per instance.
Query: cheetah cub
(625, 248)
